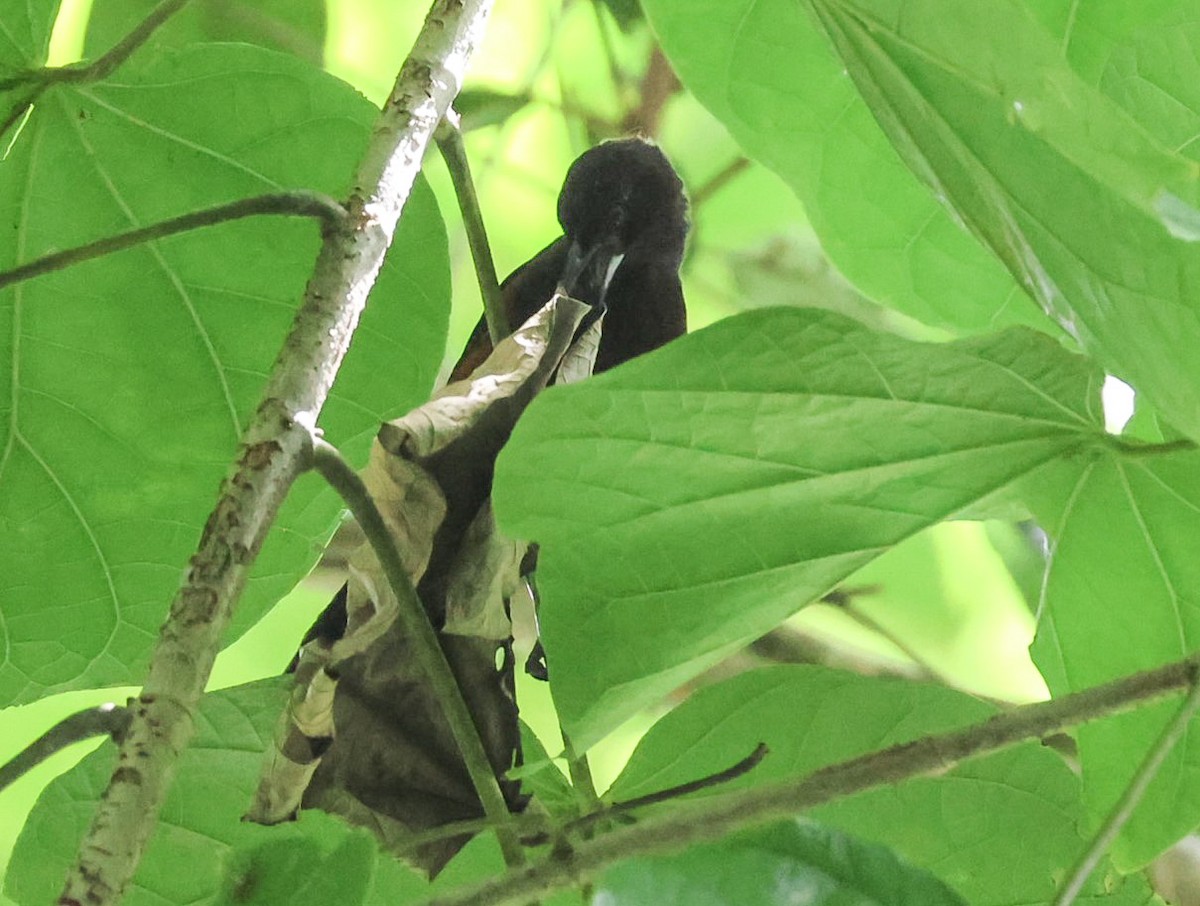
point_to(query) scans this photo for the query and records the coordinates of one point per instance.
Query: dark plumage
(622, 198)
(624, 217)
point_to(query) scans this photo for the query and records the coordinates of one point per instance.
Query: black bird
(624, 216)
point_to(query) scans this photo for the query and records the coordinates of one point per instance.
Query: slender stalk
(1138, 448)
(722, 813)
(719, 181)
(733, 772)
(450, 143)
(103, 720)
(1123, 810)
(272, 453)
(426, 649)
(291, 204)
(581, 777)
(103, 66)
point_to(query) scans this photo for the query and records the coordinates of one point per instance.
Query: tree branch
(450, 143)
(723, 813)
(272, 454)
(1125, 806)
(300, 203)
(103, 720)
(425, 646)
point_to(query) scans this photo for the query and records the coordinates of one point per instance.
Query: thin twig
(721, 179)
(743, 767)
(271, 455)
(1137, 448)
(450, 143)
(722, 813)
(1123, 810)
(426, 649)
(103, 720)
(581, 777)
(300, 203)
(103, 66)
(538, 827)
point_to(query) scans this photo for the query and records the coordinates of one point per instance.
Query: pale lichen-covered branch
(271, 454)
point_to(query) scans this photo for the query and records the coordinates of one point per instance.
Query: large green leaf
(1118, 598)
(763, 69)
(693, 498)
(999, 829)
(128, 379)
(792, 862)
(1084, 208)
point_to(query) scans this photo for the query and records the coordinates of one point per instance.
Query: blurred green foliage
(1036, 170)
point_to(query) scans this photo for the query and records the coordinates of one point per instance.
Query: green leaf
(768, 75)
(1085, 209)
(1117, 600)
(293, 867)
(129, 378)
(25, 33)
(1154, 77)
(693, 498)
(200, 822)
(793, 862)
(293, 26)
(973, 826)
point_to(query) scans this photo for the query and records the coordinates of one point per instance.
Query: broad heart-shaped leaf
(1120, 596)
(693, 498)
(792, 862)
(765, 71)
(25, 33)
(1079, 202)
(128, 379)
(999, 830)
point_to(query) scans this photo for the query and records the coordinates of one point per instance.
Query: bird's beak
(588, 272)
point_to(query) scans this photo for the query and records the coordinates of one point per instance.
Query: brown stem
(102, 66)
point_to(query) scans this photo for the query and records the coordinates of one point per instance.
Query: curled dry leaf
(364, 735)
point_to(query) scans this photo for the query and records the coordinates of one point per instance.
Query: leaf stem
(1125, 806)
(450, 143)
(104, 720)
(300, 203)
(722, 813)
(1137, 448)
(426, 648)
(581, 777)
(104, 65)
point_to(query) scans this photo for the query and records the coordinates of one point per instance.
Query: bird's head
(620, 198)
